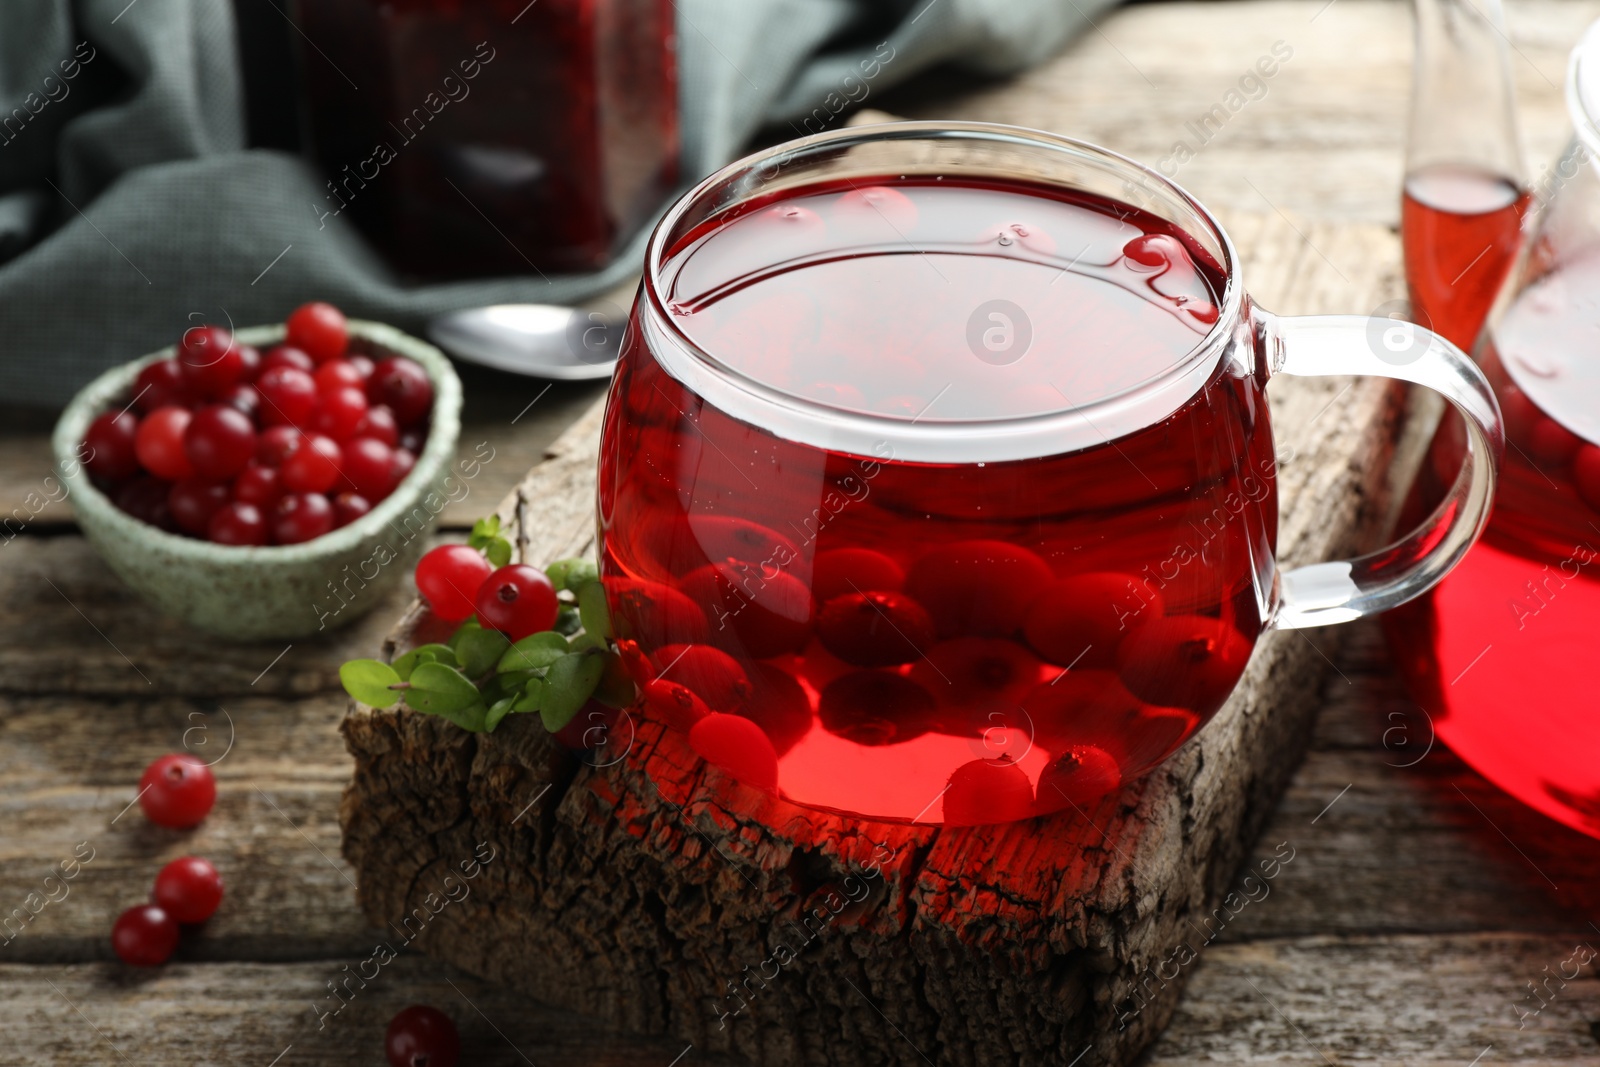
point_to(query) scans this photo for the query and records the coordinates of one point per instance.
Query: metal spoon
(538, 340)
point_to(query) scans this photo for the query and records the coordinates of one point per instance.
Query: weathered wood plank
(250, 1013)
(1389, 1000)
(1323, 137)
(617, 908)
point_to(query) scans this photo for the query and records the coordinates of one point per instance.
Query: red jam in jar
(481, 137)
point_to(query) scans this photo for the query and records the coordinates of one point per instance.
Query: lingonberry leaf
(592, 611)
(497, 711)
(440, 690)
(472, 624)
(580, 573)
(479, 650)
(470, 718)
(369, 681)
(557, 572)
(483, 530)
(498, 551)
(532, 695)
(567, 620)
(569, 683)
(534, 652)
(434, 653)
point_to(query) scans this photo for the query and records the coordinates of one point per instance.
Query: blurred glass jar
(469, 138)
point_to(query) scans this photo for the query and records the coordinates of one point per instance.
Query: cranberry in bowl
(275, 482)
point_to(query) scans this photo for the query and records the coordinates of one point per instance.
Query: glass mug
(937, 480)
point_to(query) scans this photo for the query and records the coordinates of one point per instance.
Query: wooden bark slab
(657, 895)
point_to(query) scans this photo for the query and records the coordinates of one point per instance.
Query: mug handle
(1318, 345)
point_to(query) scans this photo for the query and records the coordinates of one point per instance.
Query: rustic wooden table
(1421, 904)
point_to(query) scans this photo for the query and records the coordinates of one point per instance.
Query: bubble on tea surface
(1020, 234)
(879, 206)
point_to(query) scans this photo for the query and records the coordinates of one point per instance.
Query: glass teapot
(1501, 654)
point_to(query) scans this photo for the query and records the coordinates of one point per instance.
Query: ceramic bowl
(282, 591)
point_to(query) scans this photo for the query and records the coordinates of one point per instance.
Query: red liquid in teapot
(1502, 654)
(937, 642)
(1460, 229)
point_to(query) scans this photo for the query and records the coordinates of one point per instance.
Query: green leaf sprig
(479, 677)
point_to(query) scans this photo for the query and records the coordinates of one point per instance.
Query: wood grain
(617, 907)
(1403, 931)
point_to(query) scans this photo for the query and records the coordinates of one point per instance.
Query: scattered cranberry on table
(177, 791)
(420, 1036)
(144, 936)
(188, 889)
(231, 445)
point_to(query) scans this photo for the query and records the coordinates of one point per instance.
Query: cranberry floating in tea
(1463, 204)
(934, 493)
(481, 137)
(1501, 656)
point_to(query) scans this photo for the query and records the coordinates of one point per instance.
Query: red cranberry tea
(873, 632)
(477, 137)
(1501, 654)
(1461, 229)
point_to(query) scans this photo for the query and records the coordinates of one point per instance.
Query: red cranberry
(211, 360)
(1183, 661)
(517, 600)
(654, 614)
(712, 674)
(257, 484)
(875, 708)
(987, 791)
(177, 790)
(1079, 621)
(288, 356)
(448, 578)
(337, 374)
(109, 445)
(977, 587)
(362, 364)
(313, 467)
(145, 498)
(238, 523)
(778, 705)
(368, 467)
(421, 1036)
(319, 330)
(159, 443)
(348, 507)
(1081, 775)
(250, 357)
(193, 501)
(401, 462)
(854, 570)
(754, 611)
(339, 411)
(219, 441)
(245, 398)
(403, 385)
(188, 889)
(300, 517)
(144, 936)
(413, 440)
(288, 396)
(875, 629)
(162, 384)
(276, 444)
(674, 704)
(379, 422)
(738, 746)
(978, 675)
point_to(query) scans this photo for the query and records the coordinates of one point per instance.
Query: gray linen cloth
(131, 205)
